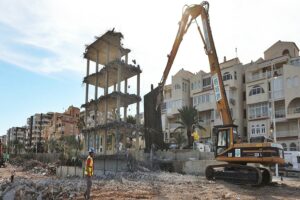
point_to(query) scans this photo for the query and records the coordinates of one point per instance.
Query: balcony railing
(280, 113)
(294, 110)
(263, 75)
(279, 94)
(263, 115)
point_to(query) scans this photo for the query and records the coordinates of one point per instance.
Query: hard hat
(91, 150)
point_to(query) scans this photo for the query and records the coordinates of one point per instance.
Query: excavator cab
(224, 136)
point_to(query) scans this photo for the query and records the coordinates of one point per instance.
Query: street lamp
(273, 130)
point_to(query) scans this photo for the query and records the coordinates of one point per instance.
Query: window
(256, 90)
(244, 78)
(192, 86)
(253, 129)
(263, 128)
(206, 82)
(293, 147)
(257, 129)
(286, 52)
(227, 76)
(177, 86)
(284, 146)
(235, 76)
(258, 110)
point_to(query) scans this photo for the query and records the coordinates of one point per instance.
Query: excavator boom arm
(190, 14)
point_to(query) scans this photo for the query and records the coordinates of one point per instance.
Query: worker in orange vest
(89, 171)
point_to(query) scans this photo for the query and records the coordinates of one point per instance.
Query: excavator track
(237, 174)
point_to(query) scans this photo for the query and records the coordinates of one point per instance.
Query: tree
(188, 121)
(130, 119)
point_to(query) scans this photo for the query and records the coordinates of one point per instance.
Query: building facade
(273, 96)
(263, 96)
(35, 126)
(16, 137)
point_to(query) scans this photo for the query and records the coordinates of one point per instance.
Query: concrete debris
(135, 185)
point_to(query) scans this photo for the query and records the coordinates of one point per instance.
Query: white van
(293, 157)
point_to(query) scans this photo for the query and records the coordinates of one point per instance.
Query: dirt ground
(142, 185)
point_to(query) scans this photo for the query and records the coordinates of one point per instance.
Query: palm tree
(188, 121)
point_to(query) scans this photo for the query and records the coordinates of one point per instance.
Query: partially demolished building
(106, 128)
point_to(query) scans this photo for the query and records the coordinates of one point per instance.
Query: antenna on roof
(236, 55)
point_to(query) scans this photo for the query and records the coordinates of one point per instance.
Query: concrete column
(86, 101)
(96, 97)
(106, 110)
(87, 85)
(125, 107)
(138, 110)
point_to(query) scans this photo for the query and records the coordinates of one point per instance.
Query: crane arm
(190, 14)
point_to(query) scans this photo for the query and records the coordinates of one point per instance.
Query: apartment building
(263, 96)
(63, 124)
(188, 89)
(203, 96)
(176, 95)
(35, 126)
(15, 136)
(273, 95)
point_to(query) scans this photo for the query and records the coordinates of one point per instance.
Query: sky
(42, 43)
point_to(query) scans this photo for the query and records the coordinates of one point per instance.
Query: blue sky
(42, 42)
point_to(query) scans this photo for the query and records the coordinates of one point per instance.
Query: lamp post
(273, 114)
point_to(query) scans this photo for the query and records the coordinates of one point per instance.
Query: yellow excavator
(236, 155)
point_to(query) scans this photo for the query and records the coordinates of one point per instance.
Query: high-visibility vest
(89, 166)
(196, 136)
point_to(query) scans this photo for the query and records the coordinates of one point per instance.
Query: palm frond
(179, 127)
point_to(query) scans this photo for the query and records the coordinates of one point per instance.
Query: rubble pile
(34, 166)
(41, 189)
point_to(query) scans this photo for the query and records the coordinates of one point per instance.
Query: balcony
(293, 110)
(258, 116)
(264, 75)
(280, 113)
(258, 76)
(276, 95)
(286, 133)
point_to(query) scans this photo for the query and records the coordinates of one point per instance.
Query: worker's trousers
(88, 186)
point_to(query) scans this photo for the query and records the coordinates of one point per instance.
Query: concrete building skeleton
(104, 130)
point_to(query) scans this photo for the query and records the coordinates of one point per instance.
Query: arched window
(227, 76)
(284, 146)
(286, 52)
(293, 147)
(256, 90)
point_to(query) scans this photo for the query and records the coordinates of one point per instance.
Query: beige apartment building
(203, 97)
(188, 89)
(264, 97)
(176, 95)
(273, 95)
(63, 124)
